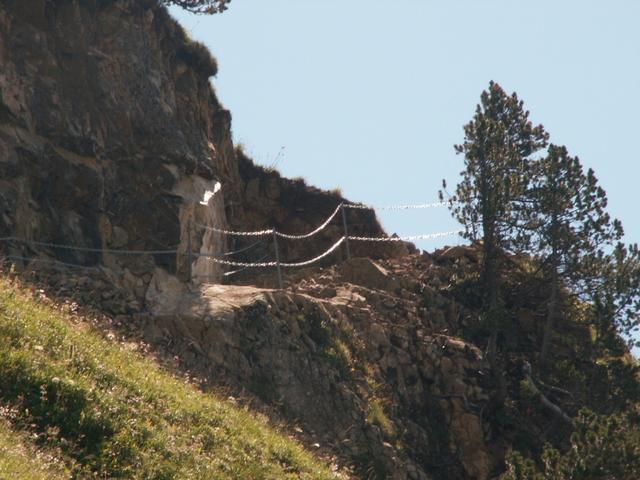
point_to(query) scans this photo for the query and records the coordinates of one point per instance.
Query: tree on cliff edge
(200, 6)
(491, 198)
(573, 226)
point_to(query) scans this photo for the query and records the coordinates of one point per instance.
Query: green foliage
(612, 288)
(547, 206)
(602, 448)
(336, 341)
(490, 199)
(377, 416)
(200, 6)
(570, 206)
(571, 224)
(515, 200)
(498, 145)
(113, 414)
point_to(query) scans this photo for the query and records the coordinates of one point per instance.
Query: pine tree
(612, 289)
(572, 225)
(602, 448)
(491, 198)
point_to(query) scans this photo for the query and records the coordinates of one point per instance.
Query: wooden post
(346, 231)
(275, 247)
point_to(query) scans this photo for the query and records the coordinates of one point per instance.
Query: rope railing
(331, 249)
(353, 206)
(359, 206)
(232, 263)
(313, 232)
(316, 259)
(409, 238)
(257, 233)
(221, 258)
(234, 272)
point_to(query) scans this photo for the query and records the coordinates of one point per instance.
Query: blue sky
(370, 96)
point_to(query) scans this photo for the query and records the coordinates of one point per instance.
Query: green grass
(377, 416)
(113, 414)
(19, 459)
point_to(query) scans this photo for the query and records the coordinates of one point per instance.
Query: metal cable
(47, 260)
(227, 254)
(88, 249)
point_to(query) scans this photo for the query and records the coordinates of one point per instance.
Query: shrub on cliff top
(199, 57)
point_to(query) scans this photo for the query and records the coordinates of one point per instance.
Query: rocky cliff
(111, 138)
(110, 134)
(113, 142)
(362, 356)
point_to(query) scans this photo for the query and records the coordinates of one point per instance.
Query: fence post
(346, 231)
(189, 254)
(275, 247)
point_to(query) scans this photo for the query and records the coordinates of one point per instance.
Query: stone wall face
(110, 134)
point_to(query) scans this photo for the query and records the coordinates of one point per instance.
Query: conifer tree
(491, 198)
(602, 448)
(572, 225)
(612, 289)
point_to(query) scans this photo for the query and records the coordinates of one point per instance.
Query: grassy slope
(20, 460)
(112, 413)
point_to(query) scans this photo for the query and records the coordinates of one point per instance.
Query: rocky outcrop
(367, 369)
(110, 135)
(111, 138)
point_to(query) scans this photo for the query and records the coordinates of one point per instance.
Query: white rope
(271, 231)
(233, 272)
(396, 207)
(314, 232)
(274, 264)
(411, 238)
(316, 259)
(326, 222)
(242, 264)
(257, 233)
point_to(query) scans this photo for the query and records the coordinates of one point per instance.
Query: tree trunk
(552, 309)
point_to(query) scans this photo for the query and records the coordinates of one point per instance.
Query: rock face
(110, 135)
(111, 138)
(358, 356)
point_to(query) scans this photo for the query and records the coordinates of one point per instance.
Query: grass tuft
(377, 416)
(19, 458)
